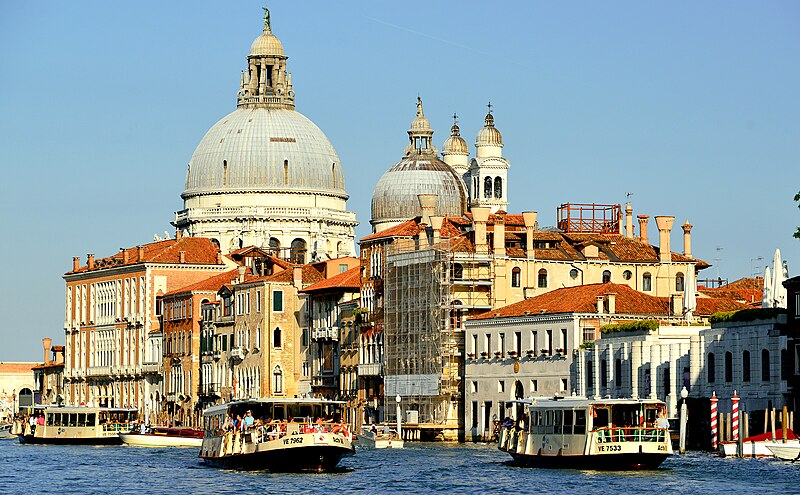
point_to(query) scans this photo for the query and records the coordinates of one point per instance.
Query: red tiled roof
(410, 228)
(746, 290)
(197, 250)
(211, 284)
(583, 299)
(16, 367)
(310, 275)
(351, 279)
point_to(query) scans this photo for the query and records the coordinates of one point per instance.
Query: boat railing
(234, 440)
(614, 434)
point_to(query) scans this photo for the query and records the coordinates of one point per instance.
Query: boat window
(580, 422)
(280, 412)
(536, 418)
(558, 422)
(568, 419)
(50, 418)
(548, 422)
(600, 417)
(73, 419)
(57, 419)
(91, 419)
(81, 419)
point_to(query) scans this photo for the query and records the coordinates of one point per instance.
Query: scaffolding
(422, 352)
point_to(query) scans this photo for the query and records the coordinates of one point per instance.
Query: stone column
(610, 368)
(655, 359)
(696, 366)
(596, 364)
(687, 239)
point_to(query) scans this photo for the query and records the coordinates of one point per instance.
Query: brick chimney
(480, 214)
(90, 261)
(241, 270)
(181, 256)
(529, 217)
(677, 304)
(499, 233)
(178, 234)
(436, 225)
(687, 239)
(612, 302)
(629, 221)
(664, 224)
(643, 228)
(76, 263)
(47, 343)
(428, 204)
(599, 303)
(297, 276)
(140, 253)
(125, 257)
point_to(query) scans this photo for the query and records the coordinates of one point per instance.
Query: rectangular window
(797, 305)
(549, 342)
(258, 301)
(277, 301)
(518, 343)
(474, 387)
(564, 340)
(502, 348)
(342, 267)
(248, 303)
(588, 334)
(534, 386)
(224, 343)
(501, 386)
(535, 342)
(475, 344)
(488, 342)
(474, 414)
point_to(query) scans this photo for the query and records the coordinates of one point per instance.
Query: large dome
(257, 149)
(395, 196)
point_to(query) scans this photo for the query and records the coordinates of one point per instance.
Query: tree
(797, 198)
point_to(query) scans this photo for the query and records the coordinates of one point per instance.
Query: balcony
(325, 333)
(325, 381)
(98, 371)
(238, 353)
(209, 389)
(151, 368)
(370, 369)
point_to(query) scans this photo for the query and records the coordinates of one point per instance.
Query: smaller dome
(266, 44)
(489, 134)
(455, 143)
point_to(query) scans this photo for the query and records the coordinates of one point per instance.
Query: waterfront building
(113, 352)
(16, 387)
(551, 344)
(265, 175)
(48, 377)
(792, 363)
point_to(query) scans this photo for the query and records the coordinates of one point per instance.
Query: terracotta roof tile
(211, 284)
(351, 279)
(196, 250)
(16, 367)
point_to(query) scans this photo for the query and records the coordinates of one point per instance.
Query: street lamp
(399, 419)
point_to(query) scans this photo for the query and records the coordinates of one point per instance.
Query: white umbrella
(766, 298)
(689, 294)
(778, 290)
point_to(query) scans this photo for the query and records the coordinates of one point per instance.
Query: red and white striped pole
(735, 421)
(714, 421)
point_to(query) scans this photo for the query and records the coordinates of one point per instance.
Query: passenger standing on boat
(662, 421)
(40, 420)
(32, 423)
(249, 420)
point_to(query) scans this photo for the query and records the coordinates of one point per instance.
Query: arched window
(519, 390)
(286, 172)
(679, 282)
(487, 187)
(498, 187)
(276, 337)
(456, 315)
(277, 380)
(764, 365)
(606, 276)
(516, 276)
(647, 282)
(728, 367)
(542, 279)
(458, 271)
(710, 368)
(298, 254)
(746, 366)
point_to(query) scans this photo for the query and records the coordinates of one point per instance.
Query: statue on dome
(419, 107)
(267, 26)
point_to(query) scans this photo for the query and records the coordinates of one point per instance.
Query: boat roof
(270, 400)
(82, 409)
(562, 402)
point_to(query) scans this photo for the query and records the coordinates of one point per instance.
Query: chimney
(60, 356)
(181, 256)
(677, 304)
(297, 276)
(219, 257)
(436, 224)
(428, 204)
(643, 228)
(664, 224)
(687, 239)
(76, 263)
(529, 217)
(500, 233)
(629, 221)
(241, 270)
(47, 343)
(140, 253)
(90, 261)
(178, 234)
(480, 214)
(612, 302)
(599, 304)
(125, 257)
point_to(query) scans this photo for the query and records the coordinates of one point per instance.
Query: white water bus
(604, 434)
(289, 435)
(76, 425)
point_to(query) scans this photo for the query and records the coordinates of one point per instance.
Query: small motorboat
(756, 445)
(789, 451)
(382, 438)
(162, 436)
(5, 431)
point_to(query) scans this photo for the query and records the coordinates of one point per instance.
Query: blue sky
(691, 106)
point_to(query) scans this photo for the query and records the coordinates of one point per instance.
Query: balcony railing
(370, 369)
(98, 371)
(237, 353)
(325, 333)
(151, 368)
(209, 389)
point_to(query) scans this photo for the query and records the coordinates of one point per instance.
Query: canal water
(419, 468)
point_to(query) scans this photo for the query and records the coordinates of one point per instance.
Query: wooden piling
(784, 423)
(772, 420)
(728, 427)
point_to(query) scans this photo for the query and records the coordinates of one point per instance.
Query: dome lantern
(266, 82)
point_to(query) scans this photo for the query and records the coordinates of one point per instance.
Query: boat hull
(786, 452)
(309, 458)
(379, 443)
(605, 462)
(108, 440)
